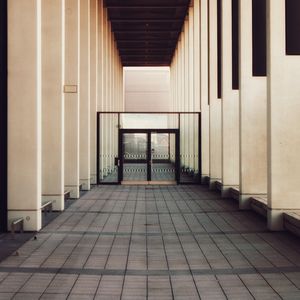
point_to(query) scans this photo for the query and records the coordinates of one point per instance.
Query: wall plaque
(70, 89)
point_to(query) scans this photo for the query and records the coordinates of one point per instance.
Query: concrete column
(93, 88)
(253, 105)
(105, 95)
(100, 57)
(214, 103)
(283, 110)
(204, 88)
(182, 97)
(190, 118)
(186, 94)
(85, 153)
(53, 102)
(72, 91)
(110, 100)
(100, 72)
(24, 112)
(230, 107)
(196, 106)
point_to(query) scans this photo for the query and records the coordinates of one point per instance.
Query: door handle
(117, 161)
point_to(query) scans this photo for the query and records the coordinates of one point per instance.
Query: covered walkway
(99, 92)
(154, 242)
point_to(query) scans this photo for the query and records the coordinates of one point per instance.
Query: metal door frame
(149, 133)
(179, 114)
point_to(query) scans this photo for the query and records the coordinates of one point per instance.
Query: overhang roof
(147, 31)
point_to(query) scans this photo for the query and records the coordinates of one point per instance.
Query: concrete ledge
(218, 185)
(260, 205)
(235, 193)
(291, 222)
(205, 180)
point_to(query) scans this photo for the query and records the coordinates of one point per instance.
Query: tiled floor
(159, 243)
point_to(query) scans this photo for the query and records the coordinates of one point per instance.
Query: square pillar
(215, 105)
(24, 113)
(230, 107)
(204, 89)
(196, 74)
(190, 119)
(72, 91)
(283, 109)
(53, 102)
(85, 154)
(93, 89)
(253, 116)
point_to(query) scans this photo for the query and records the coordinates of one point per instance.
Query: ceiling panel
(147, 31)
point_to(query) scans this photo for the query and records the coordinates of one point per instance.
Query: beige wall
(147, 89)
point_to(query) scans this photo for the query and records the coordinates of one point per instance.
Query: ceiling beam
(171, 6)
(148, 49)
(143, 62)
(137, 58)
(143, 20)
(147, 31)
(145, 55)
(139, 3)
(169, 41)
(151, 31)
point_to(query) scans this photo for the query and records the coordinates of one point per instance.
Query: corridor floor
(159, 243)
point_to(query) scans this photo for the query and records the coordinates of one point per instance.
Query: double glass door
(148, 156)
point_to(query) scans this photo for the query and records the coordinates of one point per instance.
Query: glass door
(163, 157)
(134, 160)
(149, 157)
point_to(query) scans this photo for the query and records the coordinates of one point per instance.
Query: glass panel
(134, 157)
(189, 148)
(149, 121)
(108, 142)
(162, 157)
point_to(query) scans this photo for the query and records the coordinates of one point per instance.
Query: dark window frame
(259, 38)
(219, 46)
(292, 27)
(3, 115)
(235, 45)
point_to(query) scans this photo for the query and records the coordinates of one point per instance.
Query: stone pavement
(159, 243)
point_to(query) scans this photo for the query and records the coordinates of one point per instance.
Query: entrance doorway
(148, 148)
(149, 156)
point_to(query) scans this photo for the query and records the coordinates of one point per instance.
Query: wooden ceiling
(147, 31)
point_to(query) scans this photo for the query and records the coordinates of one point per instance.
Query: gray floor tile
(160, 242)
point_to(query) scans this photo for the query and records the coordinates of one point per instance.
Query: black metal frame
(120, 143)
(148, 160)
(3, 115)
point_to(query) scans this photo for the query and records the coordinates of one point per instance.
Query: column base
(58, 201)
(205, 179)
(93, 179)
(226, 190)
(74, 191)
(86, 184)
(245, 200)
(213, 183)
(275, 219)
(32, 219)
